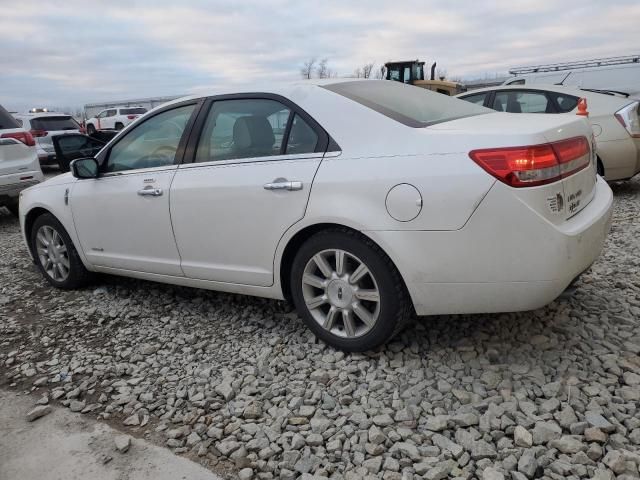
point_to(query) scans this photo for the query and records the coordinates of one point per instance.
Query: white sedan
(363, 202)
(615, 118)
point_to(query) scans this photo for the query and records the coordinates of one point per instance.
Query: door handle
(279, 184)
(150, 192)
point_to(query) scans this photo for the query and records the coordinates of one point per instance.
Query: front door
(122, 217)
(251, 179)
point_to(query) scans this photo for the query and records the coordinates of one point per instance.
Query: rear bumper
(620, 158)
(506, 258)
(11, 191)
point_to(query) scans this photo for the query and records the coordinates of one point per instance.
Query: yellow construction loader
(412, 73)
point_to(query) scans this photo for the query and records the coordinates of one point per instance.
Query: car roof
(41, 114)
(285, 89)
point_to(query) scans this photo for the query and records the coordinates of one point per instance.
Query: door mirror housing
(85, 168)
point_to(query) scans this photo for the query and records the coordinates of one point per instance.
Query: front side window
(153, 143)
(412, 106)
(243, 129)
(102, 114)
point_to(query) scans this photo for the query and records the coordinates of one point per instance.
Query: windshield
(6, 120)
(133, 111)
(54, 123)
(412, 106)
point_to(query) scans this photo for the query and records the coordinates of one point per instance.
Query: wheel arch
(29, 220)
(302, 235)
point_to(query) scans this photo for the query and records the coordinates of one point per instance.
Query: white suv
(114, 118)
(19, 166)
(43, 126)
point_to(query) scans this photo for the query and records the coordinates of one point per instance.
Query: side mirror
(85, 168)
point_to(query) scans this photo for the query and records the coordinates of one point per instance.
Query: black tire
(91, 130)
(78, 275)
(119, 126)
(13, 207)
(394, 307)
(600, 168)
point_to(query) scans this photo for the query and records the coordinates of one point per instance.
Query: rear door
(249, 182)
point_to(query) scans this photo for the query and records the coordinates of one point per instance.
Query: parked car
(19, 166)
(376, 200)
(114, 118)
(43, 127)
(615, 119)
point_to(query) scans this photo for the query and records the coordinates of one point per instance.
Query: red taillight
(39, 133)
(536, 164)
(24, 137)
(131, 117)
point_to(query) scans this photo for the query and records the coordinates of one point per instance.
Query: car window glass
(243, 129)
(411, 106)
(6, 120)
(53, 123)
(153, 143)
(111, 113)
(101, 114)
(514, 101)
(302, 138)
(478, 98)
(566, 102)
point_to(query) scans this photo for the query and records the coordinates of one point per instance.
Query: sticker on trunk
(556, 203)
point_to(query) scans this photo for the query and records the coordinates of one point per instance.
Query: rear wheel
(348, 291)
(55, 254)
(119, 126)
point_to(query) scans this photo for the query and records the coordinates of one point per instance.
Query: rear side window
(478, 98)
(566, 103)
(133, 111)
(6, 120)
(514, 101)
(54, 123)
(412, 106)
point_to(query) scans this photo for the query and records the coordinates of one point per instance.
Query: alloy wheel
(341, 293)
(52, 253)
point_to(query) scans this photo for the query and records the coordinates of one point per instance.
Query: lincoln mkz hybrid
(362, 202)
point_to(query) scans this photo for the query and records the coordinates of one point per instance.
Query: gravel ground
(239, 383)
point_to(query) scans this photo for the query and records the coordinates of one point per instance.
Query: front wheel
(348, 291)
(55, 254)
(91, 130)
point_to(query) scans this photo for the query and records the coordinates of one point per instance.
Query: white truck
(611, 74)
(115, 118)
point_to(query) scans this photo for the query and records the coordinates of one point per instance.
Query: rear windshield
(54, 123)
(6, 120)
(412, 106)
(133, 111)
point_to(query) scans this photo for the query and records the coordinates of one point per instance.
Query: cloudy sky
(69, 53)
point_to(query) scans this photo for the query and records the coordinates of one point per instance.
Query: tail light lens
(536, 164)
(131, 117)
(24, 137)
(629, 117)
(39, 133)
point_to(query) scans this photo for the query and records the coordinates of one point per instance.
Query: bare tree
(381, 72)
(357, 73)
(323, 70)
(367, 69)
(307, 68)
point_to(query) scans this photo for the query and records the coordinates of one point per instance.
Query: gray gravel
(241, 385)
